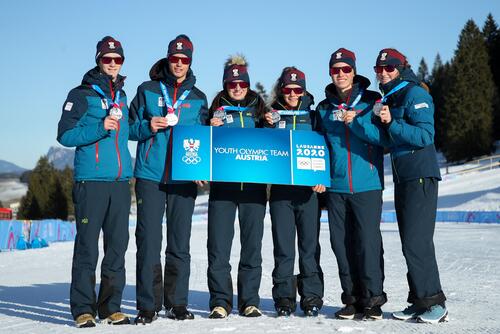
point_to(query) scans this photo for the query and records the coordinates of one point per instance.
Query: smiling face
(292, 99)
(112, 68)
(235, 91)
(385, 76)
(343, 81)
(178, 68)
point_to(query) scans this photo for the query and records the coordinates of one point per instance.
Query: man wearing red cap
(355, 192)
(168, 99)
(95, 121)
(408, 116)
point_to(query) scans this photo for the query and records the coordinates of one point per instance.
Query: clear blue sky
(47, 46)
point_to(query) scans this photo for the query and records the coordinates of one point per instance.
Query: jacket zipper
(118, 152)
(169, 144)
(118, 155)
(242, 125)
(97, 155)
(349, 163)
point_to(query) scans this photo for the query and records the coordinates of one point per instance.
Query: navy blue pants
(356, 240)
(179, 199)
(99, 206)
(294, 212)
(222, 205)
(416, 205)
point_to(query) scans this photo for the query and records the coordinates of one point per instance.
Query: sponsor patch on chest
(421, 105)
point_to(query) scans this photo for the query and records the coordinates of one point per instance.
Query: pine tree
(491, 34)
(57, 206)
(468, 100)
(259, 88)
(29, 208)
(66, 179)
(423, 72)
(48, 192)
(438, 83)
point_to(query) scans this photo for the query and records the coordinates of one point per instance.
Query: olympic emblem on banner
(191, 146)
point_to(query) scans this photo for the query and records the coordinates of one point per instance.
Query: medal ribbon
(394, 90)
(344, 106)
(115, 103)
(167, 100)
(292, 112)
(233, 108)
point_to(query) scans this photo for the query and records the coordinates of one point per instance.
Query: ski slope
(34, 284)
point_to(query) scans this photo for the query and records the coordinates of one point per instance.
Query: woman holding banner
(408, 115)
(294, 209)
(355, 193)
(236, 106)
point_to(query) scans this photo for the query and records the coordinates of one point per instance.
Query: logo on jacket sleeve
(191, 146)
(68, 106)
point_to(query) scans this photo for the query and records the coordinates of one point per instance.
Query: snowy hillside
(34, 288)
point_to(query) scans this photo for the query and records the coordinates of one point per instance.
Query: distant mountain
(10, 168)
(61, 157)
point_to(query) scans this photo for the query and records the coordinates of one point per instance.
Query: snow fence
(24, 234)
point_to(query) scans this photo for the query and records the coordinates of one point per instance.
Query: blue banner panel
(249, 155)
(191, 153)
(310, 159)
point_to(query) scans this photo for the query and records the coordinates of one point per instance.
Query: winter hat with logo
(181, 44)
(292, 76)
(235, 68)
(343, 56)
(391, 57)
(108, 45)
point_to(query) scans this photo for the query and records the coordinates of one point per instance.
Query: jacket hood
(159, 72)
(359, 83)
(96, 77)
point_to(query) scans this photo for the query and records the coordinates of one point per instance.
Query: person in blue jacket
(168, 99)
(95, 120)
(294, 209)
(355, 193)
(240, 107)
(408, 115)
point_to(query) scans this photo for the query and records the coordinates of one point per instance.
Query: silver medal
(220, 114)
(275, 117)
(377, 107)
(172, 119)
(116, 113)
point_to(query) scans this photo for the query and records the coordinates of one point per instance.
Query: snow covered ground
(34, 284)
(34, 287)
